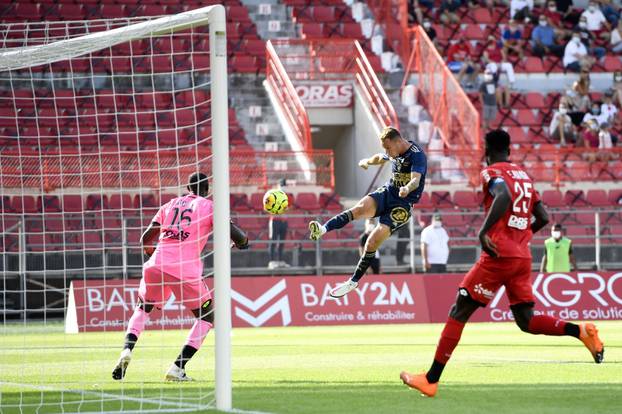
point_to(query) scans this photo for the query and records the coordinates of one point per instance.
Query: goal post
(150, 148)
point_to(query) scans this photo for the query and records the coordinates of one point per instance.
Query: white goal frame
(214, 16)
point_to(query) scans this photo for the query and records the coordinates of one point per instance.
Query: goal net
(101, 123)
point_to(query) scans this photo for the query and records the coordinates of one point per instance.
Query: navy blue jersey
(413, 159)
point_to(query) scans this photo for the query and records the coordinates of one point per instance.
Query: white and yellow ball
(275, 202)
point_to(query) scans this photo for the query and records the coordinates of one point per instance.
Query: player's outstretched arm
(149, 237)
(239, 237)
(502, 199)
(541, 216)
(413, 184)
(377, 159)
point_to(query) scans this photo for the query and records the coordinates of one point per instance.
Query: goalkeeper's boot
(420, 383)
(124, 360)
(589, 336)
(344, 288)
(177, 374)
(316, 229)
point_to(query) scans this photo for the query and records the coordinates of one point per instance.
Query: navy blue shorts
(392, 210)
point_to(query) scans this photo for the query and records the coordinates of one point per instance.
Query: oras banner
(97, 305)
(323, 94)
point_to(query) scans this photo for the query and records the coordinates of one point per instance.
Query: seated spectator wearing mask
(561, 127)
(616, 38)
(597, 24)
(543, 40)
(575, 55)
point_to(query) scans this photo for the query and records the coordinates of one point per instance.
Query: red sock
(546, 325)
(449, 340)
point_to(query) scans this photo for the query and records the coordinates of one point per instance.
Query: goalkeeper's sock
(339, 221)
(197, 334)
(186, 353)
(547, 325)
(130, 341)
(447, 343)
(137, 322)
(364, 263)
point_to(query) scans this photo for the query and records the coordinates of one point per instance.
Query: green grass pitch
(339, 369)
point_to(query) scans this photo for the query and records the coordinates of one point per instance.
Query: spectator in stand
(561, 128)
(435, 246)
(430, 31)
(448, 11)
(575, 55)
(513, 39)
(596, 21)
(569, 14)
(578, 103)
(459, 60)
(415, 14)
(594, 115)
(617, 89)
(583, 84)
(588, 38)
(608, 110)
(544, 41)
(370, 224)
(611, 11)
(590, 139)
(521, 10)
(616, 38)
(605, 143)
(495, 62)
(488, 98)
(554, 18)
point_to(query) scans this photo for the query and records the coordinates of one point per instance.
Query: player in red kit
(510, 202)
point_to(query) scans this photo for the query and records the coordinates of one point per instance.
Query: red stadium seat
(526, 117)
(466, 199)
(72, 203)
(474, 32)
(96, 202)
(535, 100)
(323, 14)
(330, 201)
(24, 204)
(351, 30)
(425, 202)
(307, 202)
(533, 64)
(482, 15)
(598, 198)
(312, 30)
(48, 204)
(442, 199)
(553, 198)
(244, 64)
(575, 198)
(256, 201)
(615, 197)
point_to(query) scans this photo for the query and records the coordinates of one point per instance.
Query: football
(275, 202)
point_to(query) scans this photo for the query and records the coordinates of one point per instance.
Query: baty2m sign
(98, 305)
(325, 94)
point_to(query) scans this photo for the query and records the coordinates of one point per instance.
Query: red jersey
(512, 233)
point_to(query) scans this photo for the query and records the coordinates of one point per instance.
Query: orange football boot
(589, 336)
(420, 383)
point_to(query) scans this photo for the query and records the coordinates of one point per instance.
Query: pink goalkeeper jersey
(185, 225)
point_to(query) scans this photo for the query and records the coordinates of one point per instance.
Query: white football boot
(177, 374)
(343, 289)
(124, 360)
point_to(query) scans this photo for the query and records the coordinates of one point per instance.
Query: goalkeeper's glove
(242, 246)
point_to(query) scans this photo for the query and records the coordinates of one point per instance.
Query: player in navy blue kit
(391, 202)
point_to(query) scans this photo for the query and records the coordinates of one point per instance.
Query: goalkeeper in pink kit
(181, 228)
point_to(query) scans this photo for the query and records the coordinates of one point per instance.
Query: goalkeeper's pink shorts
(156, 288)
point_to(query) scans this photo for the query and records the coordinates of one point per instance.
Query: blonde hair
(389, 133)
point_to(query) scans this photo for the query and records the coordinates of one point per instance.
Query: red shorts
(488, 275)
(156, 288)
